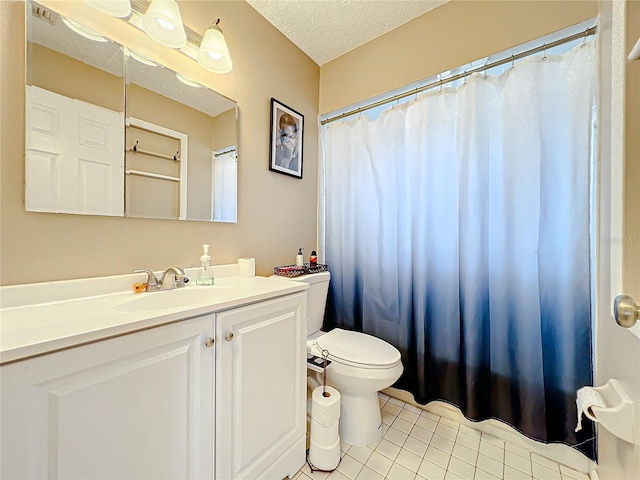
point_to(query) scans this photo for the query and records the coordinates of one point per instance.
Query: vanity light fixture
(115, 8)
(187, 81)
(86, 32)
(213, 54)
(163, 23)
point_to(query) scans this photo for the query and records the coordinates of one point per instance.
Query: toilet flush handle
(228, 337)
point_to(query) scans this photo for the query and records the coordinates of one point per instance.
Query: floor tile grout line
(491, 444)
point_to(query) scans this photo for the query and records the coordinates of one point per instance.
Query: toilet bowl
(361, 365)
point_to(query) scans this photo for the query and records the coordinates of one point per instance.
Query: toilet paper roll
(322, 435)
(325, 409)
(324, 458)
(247, 267)
(588, 397)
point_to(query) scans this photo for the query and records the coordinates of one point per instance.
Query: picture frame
(286, 140)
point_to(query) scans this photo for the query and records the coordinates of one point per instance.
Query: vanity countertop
(35, 328)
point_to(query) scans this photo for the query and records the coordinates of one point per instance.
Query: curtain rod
(497, 63)
(218, 154)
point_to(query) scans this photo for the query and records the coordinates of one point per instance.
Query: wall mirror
(169, 152)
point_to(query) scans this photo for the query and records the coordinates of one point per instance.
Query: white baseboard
(562, 454)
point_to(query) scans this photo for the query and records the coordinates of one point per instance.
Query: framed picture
(287, 128)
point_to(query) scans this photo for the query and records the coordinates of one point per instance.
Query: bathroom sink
(183, 297)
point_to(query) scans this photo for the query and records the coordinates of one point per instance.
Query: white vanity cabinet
(138, 406)
(218, 396)
(261, 390)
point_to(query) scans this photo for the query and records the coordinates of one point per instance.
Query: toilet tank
(316, 298)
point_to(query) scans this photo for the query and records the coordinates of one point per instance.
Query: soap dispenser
(205, 274)
(300, 258)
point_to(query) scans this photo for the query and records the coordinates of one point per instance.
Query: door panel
(85, 148)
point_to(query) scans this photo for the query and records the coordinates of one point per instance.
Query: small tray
(296, 271)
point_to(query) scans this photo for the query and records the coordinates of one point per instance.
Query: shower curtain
(457, 229)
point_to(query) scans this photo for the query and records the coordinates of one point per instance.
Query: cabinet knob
(209, 342)
(229, 336)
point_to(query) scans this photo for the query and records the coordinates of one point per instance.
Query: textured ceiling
(327, 29)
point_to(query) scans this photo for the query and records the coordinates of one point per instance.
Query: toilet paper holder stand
(617, 417)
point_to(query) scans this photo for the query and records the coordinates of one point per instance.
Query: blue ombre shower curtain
(457, 229)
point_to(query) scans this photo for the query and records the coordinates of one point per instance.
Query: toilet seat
(358, 349)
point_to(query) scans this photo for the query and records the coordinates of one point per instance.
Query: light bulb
(166, 25)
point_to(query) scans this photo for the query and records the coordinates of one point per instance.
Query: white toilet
(361, 366)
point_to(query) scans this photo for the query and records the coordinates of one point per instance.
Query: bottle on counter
(205, 274)
(300, 258)
(313, 259)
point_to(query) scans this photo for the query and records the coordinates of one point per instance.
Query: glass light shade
(187, 81)
(86, 32)
(115, 8)
(163, 23)
(214, 54)
(140, 58)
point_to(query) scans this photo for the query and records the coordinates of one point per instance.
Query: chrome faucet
(173, 277)
(152, 280)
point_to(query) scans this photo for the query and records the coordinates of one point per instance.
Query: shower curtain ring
(513, 62)
(485, 70)
(464, 83)
(441, 81)
(584, 39)
(544, 50)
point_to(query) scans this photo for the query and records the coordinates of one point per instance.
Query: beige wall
(276, 213)
(451, 35)
(74, 79)
(224, 130)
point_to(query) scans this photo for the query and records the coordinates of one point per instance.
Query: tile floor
(418, 445)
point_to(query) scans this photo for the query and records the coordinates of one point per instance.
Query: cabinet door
(132, 407)
(261, 390)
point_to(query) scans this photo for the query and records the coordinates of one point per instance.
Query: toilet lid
(357, 348)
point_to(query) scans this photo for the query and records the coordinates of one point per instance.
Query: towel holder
(617, 417)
